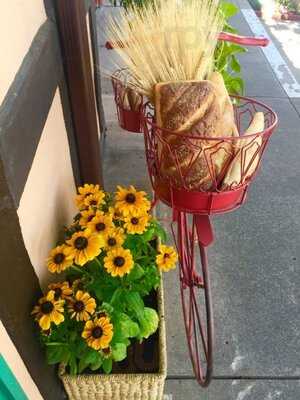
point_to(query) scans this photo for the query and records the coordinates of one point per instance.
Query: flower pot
(133, 385)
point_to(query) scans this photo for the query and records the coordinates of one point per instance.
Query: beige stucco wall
(17, 366)
(47, 201)
(20, 22)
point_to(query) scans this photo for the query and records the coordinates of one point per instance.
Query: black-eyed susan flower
(115, 237)
(101, 223)
(77, 285)
(98, 333)
(136, 223)
(118, 261)
(49, 310)
(166, 258)
(129, 201)
(82, 306)
(107, 352)
(84, 192)
(60, 259)
(85, 246)
(94, 200)
(62, 290)
(86, 216)
(115, 214)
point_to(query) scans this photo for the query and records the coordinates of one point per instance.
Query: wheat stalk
(173, 40)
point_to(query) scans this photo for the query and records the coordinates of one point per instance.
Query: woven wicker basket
(148, 386)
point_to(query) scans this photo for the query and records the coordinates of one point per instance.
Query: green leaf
(73, 365)
(148, 235)
(107, 365)
(128, 327)
(228, 9)
(149, 323)
(119, 351)
(135, 304)
(57, 354)
(136, 273)
(235, 65)
(96, 365)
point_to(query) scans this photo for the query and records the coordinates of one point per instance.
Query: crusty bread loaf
(194, 109)
(247, 154)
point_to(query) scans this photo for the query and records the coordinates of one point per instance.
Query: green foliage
(226, 61)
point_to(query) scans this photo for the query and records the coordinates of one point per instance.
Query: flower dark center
(97, 332)
(106, 350)
(100, 226)
(81, 243)
(112, 242)
(134, 221)
(130, 198)
(90, 218)
(78, 306)
(102, 314)
(166, 255)
(57, 293)
(119, 261)
(47, 307)
(59, 258)
(93, 202)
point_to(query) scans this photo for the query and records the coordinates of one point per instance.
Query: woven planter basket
(148, 386)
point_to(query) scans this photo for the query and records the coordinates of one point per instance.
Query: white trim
(279, 66)
(17, 366)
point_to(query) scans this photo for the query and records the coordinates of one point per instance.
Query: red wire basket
(129, 103)
(206, 175)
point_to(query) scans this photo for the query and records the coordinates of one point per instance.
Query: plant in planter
(111, 258)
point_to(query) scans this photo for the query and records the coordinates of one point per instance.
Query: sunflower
(118, 261)
(60, 259)
(82, 306)
(86, 216)
(166, 258)
(62, 290)
(114, 238)
(85, 191)
(98, 333)
(106, 352)
(49, 310)
(101, 223)
(94, 200)
(136, 223)
(130, 201)
(85, 246)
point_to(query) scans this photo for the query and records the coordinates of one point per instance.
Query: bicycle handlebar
(244, 40)
(224, 36)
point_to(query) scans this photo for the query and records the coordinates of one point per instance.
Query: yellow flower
(62, 290)
(114, 238)
(82, 306)
(118, 261)
(77, 285)
(135, 223)
(85, 246)
(85, 191)
(49, 310)
(166, 258)
(94, 200)
(86, 216)
(60, 259)
(98, 333)
(129, 201)
(101, 223)
(115, 214)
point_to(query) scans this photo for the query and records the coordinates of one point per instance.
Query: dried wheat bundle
(172, 40)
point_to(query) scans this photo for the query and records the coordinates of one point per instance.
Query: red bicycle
(172, 183)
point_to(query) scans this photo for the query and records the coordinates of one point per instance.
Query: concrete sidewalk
(254, 261)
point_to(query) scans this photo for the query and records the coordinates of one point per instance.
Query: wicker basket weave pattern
(122, 386)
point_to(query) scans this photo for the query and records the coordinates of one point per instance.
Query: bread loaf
(192, 109)
(247, 155)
